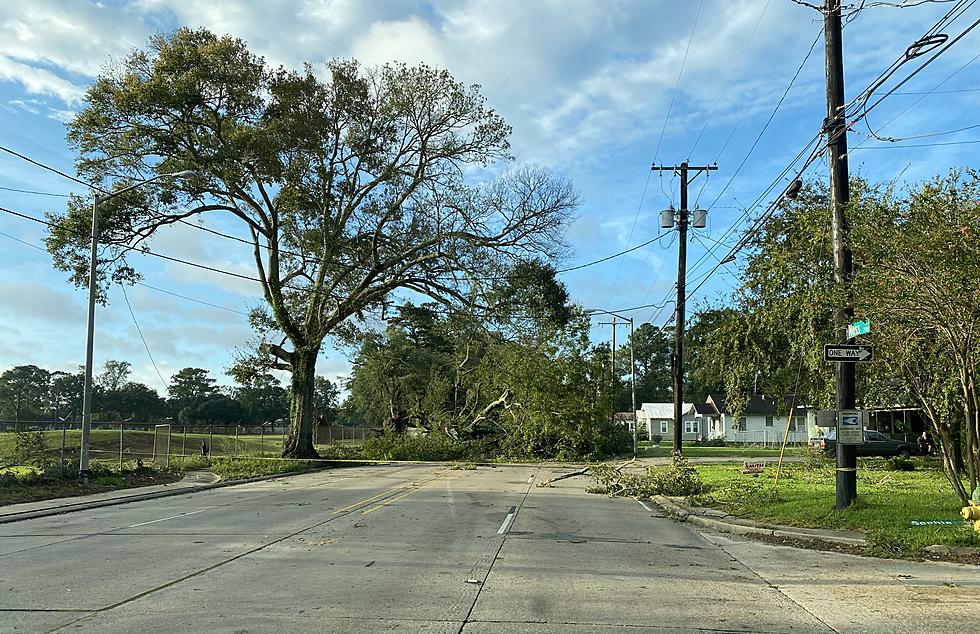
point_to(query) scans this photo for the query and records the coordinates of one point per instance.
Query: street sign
(858, 328)
(848, 354)
(850, 427)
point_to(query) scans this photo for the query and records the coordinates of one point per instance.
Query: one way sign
(848, 354)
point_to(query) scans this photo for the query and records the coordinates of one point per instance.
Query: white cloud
(410, 41)
(40, 81)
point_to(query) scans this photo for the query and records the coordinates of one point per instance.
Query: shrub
(432, 446)
(656, 439)
(711, 442)
(29, 447)
(898, 463)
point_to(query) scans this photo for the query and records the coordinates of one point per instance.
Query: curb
(138, 497)
(723, 523)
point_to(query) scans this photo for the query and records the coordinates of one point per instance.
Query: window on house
(663, 427)
(691, 427)
(768, 421)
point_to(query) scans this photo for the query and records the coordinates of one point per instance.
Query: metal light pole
(83, 461)
(629, 320)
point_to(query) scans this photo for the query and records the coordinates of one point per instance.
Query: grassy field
(104, 444)
(665, 449)
(887, 503)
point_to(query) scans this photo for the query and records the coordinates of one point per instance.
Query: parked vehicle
(875, 444)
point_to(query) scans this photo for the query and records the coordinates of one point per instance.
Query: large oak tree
(351, 184)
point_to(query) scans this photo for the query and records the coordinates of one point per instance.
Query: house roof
(664, 410)
(758, 404)
(705, 409)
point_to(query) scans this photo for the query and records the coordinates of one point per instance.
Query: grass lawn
(665, 449)
(887, 503)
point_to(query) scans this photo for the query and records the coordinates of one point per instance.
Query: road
(416, 548)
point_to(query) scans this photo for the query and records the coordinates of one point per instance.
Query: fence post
(237, 450)
(262, 440)
(183, 442)
(122, 426)
(170, 435)
(330, 433)
(210, 441)
(64, 427)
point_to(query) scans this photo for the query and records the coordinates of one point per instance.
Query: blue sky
(587, 86)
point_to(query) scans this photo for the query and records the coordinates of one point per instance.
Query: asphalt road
(423, 549)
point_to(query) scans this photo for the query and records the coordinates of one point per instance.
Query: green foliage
(433, 446)
(739, 492)
(23, 392)
(614, 481)
(710, 442)
(677, 479)
(898, 463)
(29, 448)
(656, 439)
(235, 468)
(352, 183)
(812, 457)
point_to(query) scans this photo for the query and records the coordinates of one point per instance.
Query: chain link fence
(128, 441)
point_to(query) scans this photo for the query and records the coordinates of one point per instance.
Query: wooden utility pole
(840, 195)
(678, 358)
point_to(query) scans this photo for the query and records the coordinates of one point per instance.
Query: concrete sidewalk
(193, 481)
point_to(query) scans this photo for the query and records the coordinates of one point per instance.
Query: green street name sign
(858, 328)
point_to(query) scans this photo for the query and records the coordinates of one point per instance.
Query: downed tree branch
(584, 471)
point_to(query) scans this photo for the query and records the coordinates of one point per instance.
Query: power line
(37, 193)
(50, 169)
(267, 247)
(660, 141)
(677, 84)
(816, 153)
(728, 81)
(192, 299)
(894, 146)
(139, 330)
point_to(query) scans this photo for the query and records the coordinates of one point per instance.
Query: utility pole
(840, 195)
(682, 221)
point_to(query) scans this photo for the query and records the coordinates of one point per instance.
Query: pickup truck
(875, 444)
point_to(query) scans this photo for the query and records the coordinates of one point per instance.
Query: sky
(597, 91)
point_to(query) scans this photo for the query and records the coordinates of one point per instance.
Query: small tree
(921, 290)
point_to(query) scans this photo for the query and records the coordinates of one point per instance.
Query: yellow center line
(389, 501)
(400, 487)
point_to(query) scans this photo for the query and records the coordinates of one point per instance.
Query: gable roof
(664, 410)
(758, 404)
(705, 409)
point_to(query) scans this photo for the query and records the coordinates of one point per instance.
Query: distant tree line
(32, 393)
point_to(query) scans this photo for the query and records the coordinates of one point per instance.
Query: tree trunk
(299, 442)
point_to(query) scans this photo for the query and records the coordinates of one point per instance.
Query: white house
(760, 421)
(658, 418)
